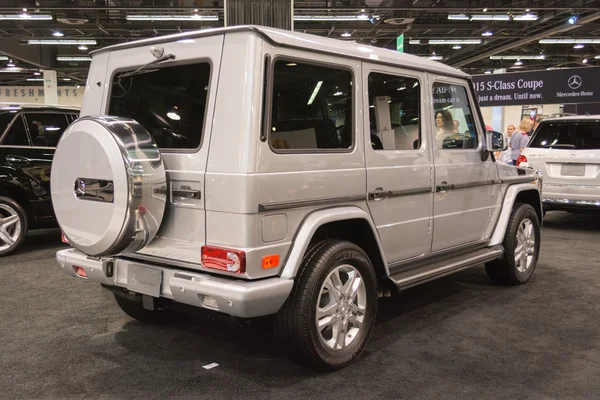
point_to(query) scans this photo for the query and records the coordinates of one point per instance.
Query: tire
(507, 270)
(13, 225)
(354, 313)
(135, 310)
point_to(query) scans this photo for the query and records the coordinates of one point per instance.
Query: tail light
(224, 259)
(63, 238)
(521, 159)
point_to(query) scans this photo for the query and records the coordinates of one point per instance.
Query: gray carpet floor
(459, 337)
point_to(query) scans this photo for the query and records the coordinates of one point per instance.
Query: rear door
(568, 153)
(172, 99)
(399, 164)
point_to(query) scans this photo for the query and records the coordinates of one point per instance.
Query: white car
(567, 151)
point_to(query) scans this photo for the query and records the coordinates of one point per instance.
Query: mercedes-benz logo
(79, 188)
(575, 82)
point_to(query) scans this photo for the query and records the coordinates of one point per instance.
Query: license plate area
(572, 170)
(144, 280)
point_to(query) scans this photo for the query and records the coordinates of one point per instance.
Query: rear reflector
(270, 261)
(79, 271)
(521, 159)
(63, 238)
(223, 259)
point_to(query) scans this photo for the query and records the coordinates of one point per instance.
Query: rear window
(578, 136)
(170, 102)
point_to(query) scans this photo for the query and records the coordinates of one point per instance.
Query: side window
(454, 124)
(170, 102)
(45, 129)
(394, 103)
(16, 136)
(311, 107)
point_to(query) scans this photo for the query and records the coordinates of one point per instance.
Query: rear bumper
(239, 298)
(571, 196)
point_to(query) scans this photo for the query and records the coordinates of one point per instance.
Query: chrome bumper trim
(567, 202)
(236, 297)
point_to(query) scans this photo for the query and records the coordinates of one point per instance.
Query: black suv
(28, 137)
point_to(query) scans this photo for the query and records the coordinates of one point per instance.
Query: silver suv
(257, 172)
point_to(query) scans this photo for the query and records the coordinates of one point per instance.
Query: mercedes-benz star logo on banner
(575, 82)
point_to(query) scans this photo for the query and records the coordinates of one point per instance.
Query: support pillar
(272, 13)
(498, 111)
(50, 90)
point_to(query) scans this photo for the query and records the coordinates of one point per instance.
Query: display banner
(560, 86)
(66, 95)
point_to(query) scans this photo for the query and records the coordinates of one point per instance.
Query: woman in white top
(445, 126)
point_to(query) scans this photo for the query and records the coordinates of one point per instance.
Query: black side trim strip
(468, 185)
(307, 203)
(377, 195)
(519, 179)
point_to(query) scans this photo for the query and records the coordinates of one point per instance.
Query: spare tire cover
(108, 185)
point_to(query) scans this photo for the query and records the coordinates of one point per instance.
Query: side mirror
(496, 141)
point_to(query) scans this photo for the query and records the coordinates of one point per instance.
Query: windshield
(568, 135)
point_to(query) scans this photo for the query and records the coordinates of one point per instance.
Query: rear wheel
(521, 248)
(135, 309)
(13, 225)
(328, 318)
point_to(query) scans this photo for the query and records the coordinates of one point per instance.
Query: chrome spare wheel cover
(108, 185)
(10, 226)
(341, 307)
(525, 245)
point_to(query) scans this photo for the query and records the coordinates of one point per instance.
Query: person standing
(505, 156)
(520, 139)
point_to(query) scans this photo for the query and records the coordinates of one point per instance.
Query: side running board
(414, 277)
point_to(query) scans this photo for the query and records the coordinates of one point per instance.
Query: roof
(312, 42)
(572, 118)
(21, 106)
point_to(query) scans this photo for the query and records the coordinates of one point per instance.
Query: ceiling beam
(533, 38)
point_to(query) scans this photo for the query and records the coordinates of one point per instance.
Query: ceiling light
(77, 87)
(73, 58)
(597, 58)
(585, 60)
(11, 69)
(519, 57)
(66, 79)
(488, 33)
(435, 58)
(82, 47)
(71, 42)
(572, 19)
(3, 58)
(174, 116)
(485, 10)
(518, 62)
(455, 41)
(35, 79)
(526, 17)
(37, 73)
(527, 10)
(457, 47)
(363, 10)
(360, 17)
(568, 41)
(488, 72)
(20, 17)
(578, 46)
(458, 17)
(10, 64)
(195, 17)
(414, 41)
(58, 34)
(314, 93)
(346, 34)
(490, 17)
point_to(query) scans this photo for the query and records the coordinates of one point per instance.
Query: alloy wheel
(525, 246)
(10, 226)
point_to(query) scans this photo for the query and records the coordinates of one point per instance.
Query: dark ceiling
(105, 21)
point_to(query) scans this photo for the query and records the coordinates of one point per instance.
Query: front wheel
(521, 248)
(328, 318)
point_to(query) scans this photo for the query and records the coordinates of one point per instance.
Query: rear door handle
(188, 194)
(378, 194)
(17, 160)
(444, 186)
